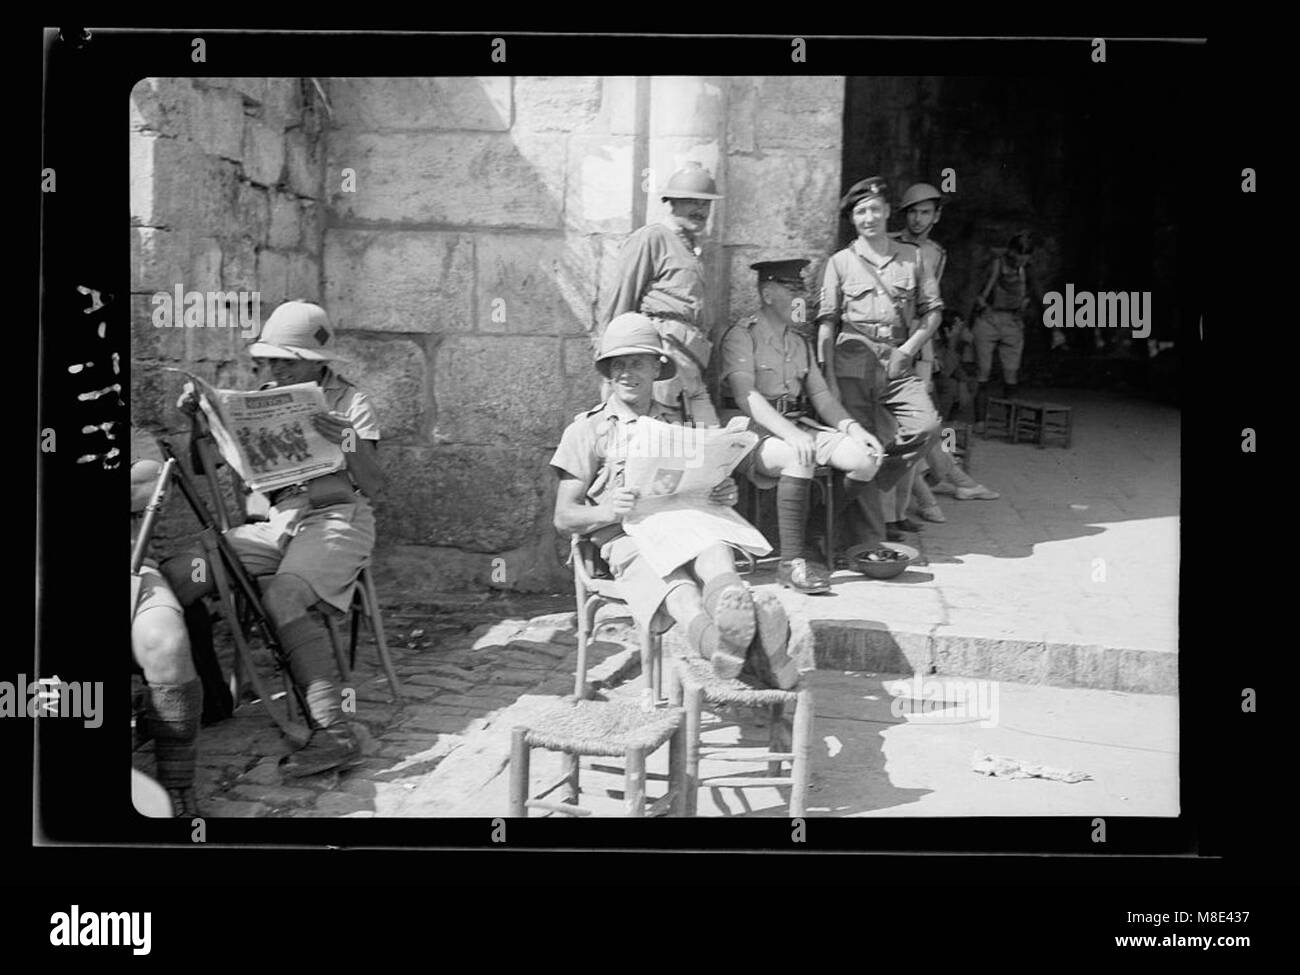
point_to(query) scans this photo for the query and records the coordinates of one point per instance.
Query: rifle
(156, 501)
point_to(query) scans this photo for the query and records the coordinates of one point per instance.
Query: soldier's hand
(188, 403)
(865, 437)
(725, 492)
(621, 501)
(900, 364)
(331, 426)
(804, 446)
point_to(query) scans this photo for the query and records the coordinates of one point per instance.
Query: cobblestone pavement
(461, 661)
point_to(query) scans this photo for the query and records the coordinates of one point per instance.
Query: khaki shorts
(752, 467)
(1004, 332)
(326, 547)
(644, 589)
(155, 593)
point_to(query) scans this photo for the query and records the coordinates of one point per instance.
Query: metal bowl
(882, 570)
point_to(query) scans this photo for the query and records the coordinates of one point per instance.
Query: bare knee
(287, 597)
(715, 560)
(162, 647)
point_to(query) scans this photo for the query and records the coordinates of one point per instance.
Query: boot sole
(774, 639)
(733, 613)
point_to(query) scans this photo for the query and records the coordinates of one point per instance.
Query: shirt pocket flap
(857, 289)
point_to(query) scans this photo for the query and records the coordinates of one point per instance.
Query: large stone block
(263, 152)
(217, 123)
(272, 279)
(285, 230)
(478, 498)
(239, 265)
(618, 103)
(400, 281)
(147, 340)
(393, 372)
(378, 104)
(283, 103)
(252, 216)
(303, 282)
(687, 106)
(504, 390)
(803, 113)
(462, 179)
(534, 284)
(312, 224)
(601, 184)
(566, 104)
(742, 111)
(801, 217)
(174, 184)
(163, 106)
(159, 258)
(302, 159)
(579, 358)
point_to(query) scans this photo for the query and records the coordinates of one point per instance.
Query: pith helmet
(295, 330)
(633, 334)
(919, 193)
(691, 182)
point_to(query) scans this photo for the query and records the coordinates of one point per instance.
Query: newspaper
(673, 468)
(267, 436)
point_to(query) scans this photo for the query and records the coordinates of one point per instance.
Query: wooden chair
(581, 726)
(1000, 418)
(693, 683)
(593, 587)
(823, 480)
(1038, 422)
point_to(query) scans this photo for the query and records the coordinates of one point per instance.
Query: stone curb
(849, 645)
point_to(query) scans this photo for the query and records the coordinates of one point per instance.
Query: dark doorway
(1101, 173)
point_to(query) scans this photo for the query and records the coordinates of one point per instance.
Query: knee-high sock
(792, 514)
(311, 659)
(981, 402)
(217, 702)
(1011, 390)
(172, 711)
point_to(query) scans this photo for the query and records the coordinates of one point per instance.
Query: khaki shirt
(593, 448)
(780, 363)
(659, 273)
(862, 313)
(936, 259)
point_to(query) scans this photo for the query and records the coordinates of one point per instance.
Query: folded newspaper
(673, 468)
(267, 436)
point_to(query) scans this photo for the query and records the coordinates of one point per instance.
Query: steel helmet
(919, 193)
(691, 182)
(632, 333)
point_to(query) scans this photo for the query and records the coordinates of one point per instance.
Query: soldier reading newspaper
(655, 497)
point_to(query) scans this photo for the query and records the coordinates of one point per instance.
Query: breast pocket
(860, 302)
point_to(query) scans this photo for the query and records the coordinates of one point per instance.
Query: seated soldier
(705, 596)
(161, 648)
(769, 369)
(319, 534)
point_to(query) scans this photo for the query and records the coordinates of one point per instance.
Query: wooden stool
(1000, 418)
(613, 728)
(1038, 422)
(692, 682)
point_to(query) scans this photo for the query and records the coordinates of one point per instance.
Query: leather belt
(281, 494)
(602, 535)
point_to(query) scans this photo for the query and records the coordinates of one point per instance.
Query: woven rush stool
(608, 728)
(1039, 422)
(1000, 418)
(692, 682)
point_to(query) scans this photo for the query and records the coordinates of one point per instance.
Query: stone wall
(462, 234)
(225, 196)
